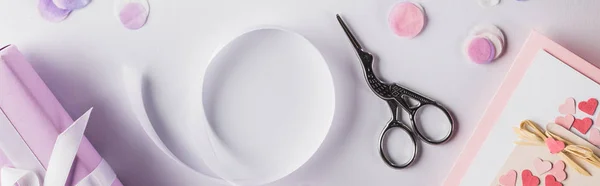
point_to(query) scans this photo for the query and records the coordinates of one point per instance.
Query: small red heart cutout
(529, 179)
(583, 125)
(555, 146)
(588, 106)
(551, 181)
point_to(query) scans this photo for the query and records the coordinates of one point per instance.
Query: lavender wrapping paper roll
(37, 115)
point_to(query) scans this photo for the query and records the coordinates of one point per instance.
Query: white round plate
(268, 99)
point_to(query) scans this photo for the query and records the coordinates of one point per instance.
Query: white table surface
(80, 61)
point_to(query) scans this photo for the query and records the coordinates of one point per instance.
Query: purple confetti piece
(71, 4)
(133, 16)
(51, 12)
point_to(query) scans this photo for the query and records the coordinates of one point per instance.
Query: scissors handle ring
(384, 153)
(424, 137)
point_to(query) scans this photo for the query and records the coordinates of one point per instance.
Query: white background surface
(80, 61)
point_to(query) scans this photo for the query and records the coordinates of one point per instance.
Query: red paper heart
(551, 181)
(583, 125)
(555, 146)
(589, 106)
(529, 179)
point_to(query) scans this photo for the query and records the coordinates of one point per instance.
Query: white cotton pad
(488, 3)
(479, 29)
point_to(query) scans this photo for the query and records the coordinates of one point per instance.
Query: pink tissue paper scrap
(37, 115)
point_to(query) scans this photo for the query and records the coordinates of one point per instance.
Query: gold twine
(531, 134)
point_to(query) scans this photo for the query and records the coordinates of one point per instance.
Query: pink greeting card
(547, 84)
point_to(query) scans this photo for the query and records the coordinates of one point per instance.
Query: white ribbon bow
(29, 169)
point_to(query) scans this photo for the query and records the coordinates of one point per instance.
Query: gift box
(575, 162)
(35, 125)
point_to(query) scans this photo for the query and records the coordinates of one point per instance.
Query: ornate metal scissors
(398, 97)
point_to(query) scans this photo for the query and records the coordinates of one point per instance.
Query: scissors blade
(349, 34)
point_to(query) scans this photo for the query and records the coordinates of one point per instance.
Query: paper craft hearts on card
(551, 181)
(583, 125)
(509, 179)
(541, 166)
(555, 146)
(529, 179)
(595, 137)
(566, 121)
(568, 107)
(558, 171)
(588, 106)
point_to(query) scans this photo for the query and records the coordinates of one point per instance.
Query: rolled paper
(531, 134)
(37, 115)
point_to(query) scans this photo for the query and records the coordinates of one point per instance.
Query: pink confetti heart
(541, 166)
(588, 106)
(529, 179)
(566, 121)
(555, 146)
(583, 125)
(558, 171)
(551, 181)
(595, 137)
(509, 179)
(567, 108)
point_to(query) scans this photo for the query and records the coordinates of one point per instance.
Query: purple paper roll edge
(37, 115)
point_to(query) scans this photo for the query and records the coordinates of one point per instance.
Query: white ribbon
(29, 169)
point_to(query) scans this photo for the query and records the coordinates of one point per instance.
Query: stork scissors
(398, 97)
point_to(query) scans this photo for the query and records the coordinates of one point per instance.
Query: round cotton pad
(71, 4)
(133, 14)
(51, 12)
(496, 41)
(488, 28)
(481, 50)
(407, 19)
(488, 3)
(493, 33)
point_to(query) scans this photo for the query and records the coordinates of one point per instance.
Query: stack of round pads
(484, 44)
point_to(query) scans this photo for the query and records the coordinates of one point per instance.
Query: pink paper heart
(558, 171)
(588, 106)
(529, 179)
(541, 166)
(566, 121)
(583, 125)
(551, 181)
(595, 137)
(555, 146)
(509, 179)
(568, 107)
